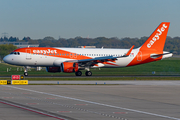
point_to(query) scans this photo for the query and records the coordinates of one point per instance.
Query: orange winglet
(129, 52)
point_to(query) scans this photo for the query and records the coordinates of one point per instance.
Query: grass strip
(98, 78)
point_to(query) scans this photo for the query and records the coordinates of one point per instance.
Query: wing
(104, 60)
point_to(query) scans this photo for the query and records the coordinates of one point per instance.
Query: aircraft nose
(6, 59)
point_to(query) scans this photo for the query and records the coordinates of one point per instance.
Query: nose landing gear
(25, 71)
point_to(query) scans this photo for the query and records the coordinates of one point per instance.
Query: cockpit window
(15, 53)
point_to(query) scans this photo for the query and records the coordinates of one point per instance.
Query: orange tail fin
(157, 39)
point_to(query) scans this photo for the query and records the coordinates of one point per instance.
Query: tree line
(171, 45)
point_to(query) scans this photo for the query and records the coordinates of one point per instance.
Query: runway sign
(15, 82)
(22, 77)
(19, 82)
(15, 77)
(3, 82)
(8, 82)
(23, 82)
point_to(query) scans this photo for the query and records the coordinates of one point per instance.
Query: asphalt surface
(115, 82)
(133, 100)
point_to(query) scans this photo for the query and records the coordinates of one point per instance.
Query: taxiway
(88, 102)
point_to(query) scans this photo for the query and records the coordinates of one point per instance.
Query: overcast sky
(94, 18)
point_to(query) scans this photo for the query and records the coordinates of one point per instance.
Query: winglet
(129, 52)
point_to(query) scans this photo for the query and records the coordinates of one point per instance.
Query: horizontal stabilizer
(160, 55)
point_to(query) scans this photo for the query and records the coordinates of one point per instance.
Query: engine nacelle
(69, 67)
(53, 69)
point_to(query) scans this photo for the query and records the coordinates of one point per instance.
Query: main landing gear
(88, 73)
(79, 73)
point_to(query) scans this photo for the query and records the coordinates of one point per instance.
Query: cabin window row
(78, 54)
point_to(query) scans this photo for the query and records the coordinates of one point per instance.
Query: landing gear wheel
(25, 74)
(88, 73)
(78, 73)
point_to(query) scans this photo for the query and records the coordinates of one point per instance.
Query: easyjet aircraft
(75, 59)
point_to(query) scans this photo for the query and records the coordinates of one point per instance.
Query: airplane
(70, 60)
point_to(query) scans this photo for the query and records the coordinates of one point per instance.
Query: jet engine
(53, 69)
(69, 67)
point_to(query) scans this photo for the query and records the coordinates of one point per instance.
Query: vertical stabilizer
(157, 39)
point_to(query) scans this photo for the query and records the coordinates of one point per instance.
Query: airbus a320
(70, 60)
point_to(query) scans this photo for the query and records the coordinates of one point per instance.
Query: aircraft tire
(78, 73)
(25, 73)
(88, 73)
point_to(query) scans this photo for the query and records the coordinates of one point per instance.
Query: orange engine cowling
(53, 69)
(69, 67)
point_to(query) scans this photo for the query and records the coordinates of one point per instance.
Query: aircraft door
(28, 54)
(139, 56)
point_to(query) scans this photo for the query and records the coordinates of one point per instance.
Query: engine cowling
(69, 67)
(53, 69)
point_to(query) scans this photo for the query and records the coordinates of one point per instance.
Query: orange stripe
(52, 52)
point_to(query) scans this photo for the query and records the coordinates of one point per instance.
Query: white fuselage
(39, 59)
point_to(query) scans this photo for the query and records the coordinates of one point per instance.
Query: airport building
(20, 44)
(86, 46)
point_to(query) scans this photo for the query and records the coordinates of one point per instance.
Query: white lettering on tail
(157, 36)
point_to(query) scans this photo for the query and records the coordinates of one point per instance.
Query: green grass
(169, 66)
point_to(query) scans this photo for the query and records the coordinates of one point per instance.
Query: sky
(87, 18)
